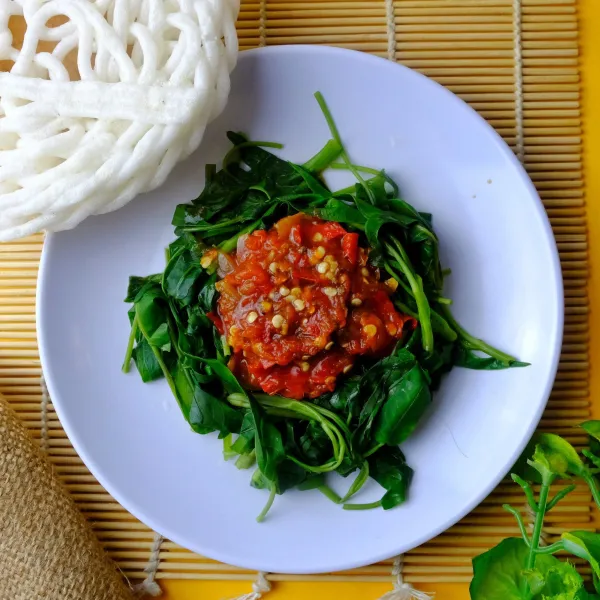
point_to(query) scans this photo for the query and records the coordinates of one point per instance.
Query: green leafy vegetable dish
(308, 327)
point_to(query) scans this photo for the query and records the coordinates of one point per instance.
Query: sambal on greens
(308, 327)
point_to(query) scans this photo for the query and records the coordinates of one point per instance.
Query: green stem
(517, 515)
(595, 460)
(329, 493)
(537, 527)
(214, 229)
(245, 461)
(527, 489)
(372, 450)
(552, 549)
(357, 484)
(559, 496)
(473, 342)
(369, 506)
(336, 136)
(229, 245)
(423, 309)
(591, 481)
(161, 363)
(371, 171)
(345, 167)
(268, 505)
(345, 191)
(438, 323)
(324, 157)
(130, 343)
(305, 410)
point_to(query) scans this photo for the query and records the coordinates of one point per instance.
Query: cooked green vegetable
(359, 426)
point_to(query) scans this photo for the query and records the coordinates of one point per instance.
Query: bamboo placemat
(514, 61)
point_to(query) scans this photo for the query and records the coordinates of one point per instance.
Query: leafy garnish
(525, 568)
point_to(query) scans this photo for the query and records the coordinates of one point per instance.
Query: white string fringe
(391, 29)
(262, 24)
(518, 56)
(150, 75)
(44, 415)
(402, 590)
(149, 587)
(260, 587)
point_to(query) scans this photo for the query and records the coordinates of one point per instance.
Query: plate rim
(558, 327)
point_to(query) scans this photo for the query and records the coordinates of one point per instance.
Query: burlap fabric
(47, 550)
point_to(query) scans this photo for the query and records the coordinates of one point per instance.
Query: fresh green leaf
(138, 284)
(146, 363)
(592, 428)
(244, 444)
(467, 358)
(554, 455)
(182, 277)
(499, 573)
(204, 412)
(408, 397)
(389, 469)
(152, 317)
(268, 443)
(559, 582)
(584, 544)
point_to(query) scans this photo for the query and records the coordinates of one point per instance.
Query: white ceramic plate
(505, 281)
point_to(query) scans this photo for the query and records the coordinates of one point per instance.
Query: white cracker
(152, 74)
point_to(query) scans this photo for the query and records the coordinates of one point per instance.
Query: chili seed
(304, 366)
(347, 368)
(370, 330)
(322, 267)
(273, 267)
(320, 252)
(252, 316)
(356, 302)
(296, 291)
(299, 304)
(330, 291)
(365, 271)
(329, 346)
(284, 291)
(318, 237)
(266, 306)
(392, 284)
(277, 321)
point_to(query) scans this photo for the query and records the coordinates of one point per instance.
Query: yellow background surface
(590, 60)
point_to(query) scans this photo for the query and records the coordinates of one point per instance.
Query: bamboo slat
(468, 46)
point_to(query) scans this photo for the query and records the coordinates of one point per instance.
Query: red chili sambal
(300, 303)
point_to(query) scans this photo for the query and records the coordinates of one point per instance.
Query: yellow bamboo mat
(516, 62)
